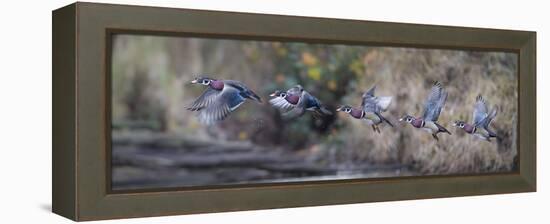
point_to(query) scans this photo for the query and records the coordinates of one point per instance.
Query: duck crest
(293, 99)
(216, 84)
(357, 113)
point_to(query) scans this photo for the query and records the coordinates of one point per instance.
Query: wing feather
(370, 92)
(480, 111)
(227, 101)
(384, 102)
(435, 101)
(205, 99)
(487, 120)
(281, 103)
(370, 104)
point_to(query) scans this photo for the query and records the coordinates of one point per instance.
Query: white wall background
(25, 93)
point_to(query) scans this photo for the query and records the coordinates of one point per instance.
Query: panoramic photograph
(206, 112)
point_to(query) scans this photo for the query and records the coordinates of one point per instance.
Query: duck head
(202, 80)
(408, 118)
(278, 93)
(459, 124)
(215, 84)
(356, 113)
(415, 122)
(344, 108)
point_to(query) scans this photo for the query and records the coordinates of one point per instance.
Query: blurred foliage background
(150, 90)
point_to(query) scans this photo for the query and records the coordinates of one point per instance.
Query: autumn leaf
(314, 73)
(357, 67)
(309, 59)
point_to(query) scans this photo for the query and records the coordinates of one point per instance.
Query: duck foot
(375, 128)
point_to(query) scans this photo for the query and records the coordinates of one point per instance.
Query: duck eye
(348, 110)
(409, 119)
(283, 94)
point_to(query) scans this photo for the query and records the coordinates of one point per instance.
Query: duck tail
(254, 96)
(492, 134)
(443, 129)
(384, 119)
(324, 110)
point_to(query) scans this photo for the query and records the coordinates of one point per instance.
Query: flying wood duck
(432, 108)
(371, 109)
(296, 101)
(220, 98)
(481, 120)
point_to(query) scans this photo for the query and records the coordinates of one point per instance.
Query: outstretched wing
(376, 104)
(207, 97)
(281, 103)
(227, 101)
(480, 111)
(485, 122)
(434, 102)
(369, 93)
(370, 104)
(382, 102)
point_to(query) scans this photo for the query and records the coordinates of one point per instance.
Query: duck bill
(339, 109)
(400, 119)
(194, 82)
(272, 95)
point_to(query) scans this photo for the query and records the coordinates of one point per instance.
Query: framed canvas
(160, 111)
